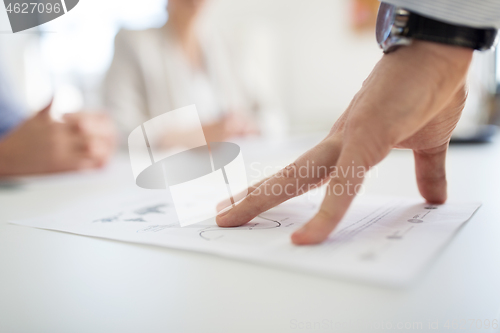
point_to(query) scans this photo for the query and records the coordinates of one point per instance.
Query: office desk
(57, 282)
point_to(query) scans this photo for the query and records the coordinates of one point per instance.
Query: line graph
(214, 232)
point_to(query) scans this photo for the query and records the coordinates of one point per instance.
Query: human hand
(412, 99)
(231, 125)
(42, 145)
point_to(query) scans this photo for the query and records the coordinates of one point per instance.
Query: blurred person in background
(40, 144)
(162, 69)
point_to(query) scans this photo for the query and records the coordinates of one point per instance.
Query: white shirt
(473, 13)
(149, 76)
(205, 98)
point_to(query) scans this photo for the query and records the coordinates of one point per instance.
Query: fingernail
(225, 211)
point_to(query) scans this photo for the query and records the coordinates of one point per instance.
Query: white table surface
(58, 282)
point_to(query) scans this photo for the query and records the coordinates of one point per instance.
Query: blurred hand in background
(43, 145)
(229, 126)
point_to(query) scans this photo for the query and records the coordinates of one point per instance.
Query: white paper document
(380, 240)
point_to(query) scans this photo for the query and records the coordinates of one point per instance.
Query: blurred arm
(42, 145)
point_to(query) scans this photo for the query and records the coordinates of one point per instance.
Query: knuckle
(337, 179)
(254, 201)
(370, 150)
(289, 172)
(437, 178)
(325, 216)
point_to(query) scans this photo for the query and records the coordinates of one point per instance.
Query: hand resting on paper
(412, 99)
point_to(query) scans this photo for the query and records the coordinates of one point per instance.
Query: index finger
(228, 201)
(286, 184)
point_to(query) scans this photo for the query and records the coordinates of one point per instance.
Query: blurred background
(312, 55)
